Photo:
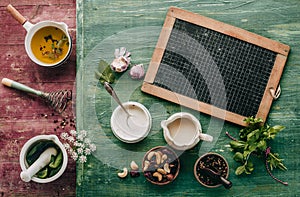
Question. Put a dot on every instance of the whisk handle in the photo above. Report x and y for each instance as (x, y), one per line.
(19, 86)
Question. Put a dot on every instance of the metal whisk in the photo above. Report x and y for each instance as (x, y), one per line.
(58, 100)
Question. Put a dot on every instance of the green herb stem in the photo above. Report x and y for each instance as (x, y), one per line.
(268, 152)
(230, 136)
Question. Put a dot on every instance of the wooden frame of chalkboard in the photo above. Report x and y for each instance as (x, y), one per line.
(215, 68)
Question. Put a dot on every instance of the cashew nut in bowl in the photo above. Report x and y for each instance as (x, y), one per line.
(163, 158)
(161, 171)
(157, 175)
(146, 165)
(150, 155)
(158, 158)
(167, 168)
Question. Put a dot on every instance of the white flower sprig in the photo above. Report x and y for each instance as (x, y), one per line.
(78, 145)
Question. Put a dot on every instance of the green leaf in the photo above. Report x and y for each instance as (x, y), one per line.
(274, 161)
(104, 73)
(278, 128)
(272, 131)
(262, 145)
(251, 120)
(58, 160)
(238, 157)
(253, 136)
(240, 170)
(42, 173)
(246, 154)
(237, 144)
(249, 167)
(252, 147)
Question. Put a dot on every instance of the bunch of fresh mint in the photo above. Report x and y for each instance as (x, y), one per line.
(254, 141)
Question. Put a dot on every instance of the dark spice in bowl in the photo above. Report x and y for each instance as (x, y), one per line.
(211, 162)
(160, 165)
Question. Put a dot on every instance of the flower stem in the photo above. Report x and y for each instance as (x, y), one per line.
(232, 138)
(267, 152)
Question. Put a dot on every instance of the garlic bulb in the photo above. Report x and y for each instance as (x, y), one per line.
(121, 61)
(137, 71)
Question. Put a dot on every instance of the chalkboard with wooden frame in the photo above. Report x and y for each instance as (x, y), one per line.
(215, 68)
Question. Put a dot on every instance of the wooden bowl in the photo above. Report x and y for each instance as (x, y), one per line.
(215, 162)
(160, 165)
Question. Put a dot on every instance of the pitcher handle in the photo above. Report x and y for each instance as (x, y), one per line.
(206, 137)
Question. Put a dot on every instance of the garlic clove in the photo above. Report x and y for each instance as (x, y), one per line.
(122, 51)
(121, 61)
(119, 64)
(137, 71)
(134, 166)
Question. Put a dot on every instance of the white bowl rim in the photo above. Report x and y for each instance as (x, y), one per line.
(133, 140)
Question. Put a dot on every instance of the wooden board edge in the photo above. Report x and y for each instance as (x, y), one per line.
(160, 48)
(230, 30)
(273, 83)
(193, 104)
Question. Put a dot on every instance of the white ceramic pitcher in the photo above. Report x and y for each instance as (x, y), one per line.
(183, 131)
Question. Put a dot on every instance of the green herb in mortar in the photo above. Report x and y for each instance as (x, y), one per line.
(56, 161)
(254, 140)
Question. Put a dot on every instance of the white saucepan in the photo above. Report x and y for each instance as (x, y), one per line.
(32, 29)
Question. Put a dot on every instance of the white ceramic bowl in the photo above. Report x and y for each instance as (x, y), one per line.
(134, 128)
(28, 145)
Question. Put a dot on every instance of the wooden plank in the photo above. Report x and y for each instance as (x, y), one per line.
(20, 113)
(103, 26)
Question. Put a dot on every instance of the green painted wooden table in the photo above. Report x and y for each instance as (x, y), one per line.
(103, 26)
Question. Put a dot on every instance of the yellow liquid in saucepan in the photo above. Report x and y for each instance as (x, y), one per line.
(49, 45)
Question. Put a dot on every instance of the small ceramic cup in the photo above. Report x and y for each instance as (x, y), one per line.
(133, 128)
(27, 147)
(183, 131)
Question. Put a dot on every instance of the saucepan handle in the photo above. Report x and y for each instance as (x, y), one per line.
(16, 14)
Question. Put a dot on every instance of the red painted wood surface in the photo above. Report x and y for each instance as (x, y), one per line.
(22, 116)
